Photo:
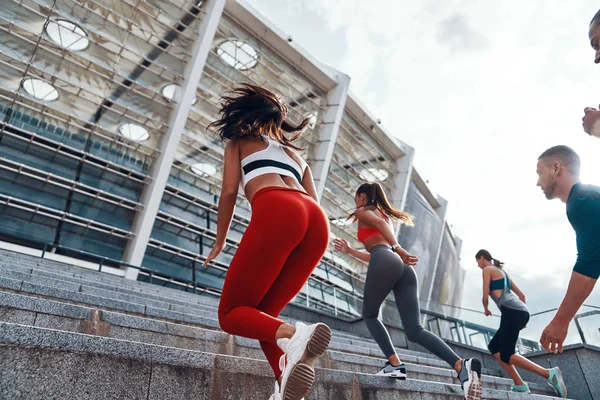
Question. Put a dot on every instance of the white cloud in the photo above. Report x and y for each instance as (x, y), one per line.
(478, 118)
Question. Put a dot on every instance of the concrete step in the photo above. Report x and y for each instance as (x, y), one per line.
(55, 267)
(103, 290)
(87, 286)
(41, 363)
(51, 314)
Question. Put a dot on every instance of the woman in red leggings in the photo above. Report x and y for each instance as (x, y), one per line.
(286, 238)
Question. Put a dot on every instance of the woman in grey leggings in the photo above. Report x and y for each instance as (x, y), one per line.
(391, 269)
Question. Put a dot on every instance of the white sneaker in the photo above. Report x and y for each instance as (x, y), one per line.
(301, 352)
(277, 394)
(470, 378)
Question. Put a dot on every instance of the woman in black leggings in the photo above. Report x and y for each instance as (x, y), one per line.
(515, 315)
(390, 269)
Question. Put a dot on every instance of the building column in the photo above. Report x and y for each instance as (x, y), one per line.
(404, 168)
(441, 211)
(161, 167)
(336, 101)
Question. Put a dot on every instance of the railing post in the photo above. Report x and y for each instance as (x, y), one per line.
(457, 332)
(194, 274)
(578, 325)
(464, 330)
(306, 291)
(44, 250)
(150, 277)
(100, 265)
(335, 306)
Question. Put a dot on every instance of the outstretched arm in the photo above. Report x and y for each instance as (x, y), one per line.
(342, 245)
(555, 333)
(591, 121)
(487, 277)
(228, 197)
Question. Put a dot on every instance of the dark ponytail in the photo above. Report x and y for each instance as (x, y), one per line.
(487, 256)
(378, 200)
(255, 111)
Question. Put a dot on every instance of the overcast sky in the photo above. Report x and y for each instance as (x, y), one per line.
(479, 89)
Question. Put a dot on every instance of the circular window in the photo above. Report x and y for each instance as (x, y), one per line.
(40, 89)
(172, 91)
(373, 174)
(67, 34)
(134, 132)
(238, 54)
(204, 169)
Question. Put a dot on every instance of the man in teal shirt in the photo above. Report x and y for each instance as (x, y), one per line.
(558, 177)
(591, 119)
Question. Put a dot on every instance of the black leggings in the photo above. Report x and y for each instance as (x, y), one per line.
(388, 273)
(505, 339)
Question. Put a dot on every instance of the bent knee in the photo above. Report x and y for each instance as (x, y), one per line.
(412, 333)
(505, 356)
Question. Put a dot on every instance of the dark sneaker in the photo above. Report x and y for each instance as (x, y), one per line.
(398, 372)
(470, 379)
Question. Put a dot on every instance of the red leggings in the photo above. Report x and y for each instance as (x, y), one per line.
(287, 237)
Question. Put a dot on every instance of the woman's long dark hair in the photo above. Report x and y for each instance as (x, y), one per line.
(251, 110)
(486, 255)
(376, 199)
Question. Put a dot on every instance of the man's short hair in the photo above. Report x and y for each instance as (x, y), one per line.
(596, 19)
(566, 155)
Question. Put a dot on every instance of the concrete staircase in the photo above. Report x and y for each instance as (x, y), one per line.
(73, 333)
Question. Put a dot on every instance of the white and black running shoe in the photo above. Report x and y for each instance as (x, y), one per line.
(398, 372)
(470, 379)
(301, 352)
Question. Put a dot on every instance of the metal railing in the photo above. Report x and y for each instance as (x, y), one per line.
(457, 324)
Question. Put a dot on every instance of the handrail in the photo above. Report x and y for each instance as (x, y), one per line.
(460, 325)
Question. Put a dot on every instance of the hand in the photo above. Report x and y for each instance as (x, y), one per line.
(407, 258)
(216, 250)
(341, 245)
(554, 335)
(591, 121)
(487, 312)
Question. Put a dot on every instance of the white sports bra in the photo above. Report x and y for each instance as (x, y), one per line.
(272, 160)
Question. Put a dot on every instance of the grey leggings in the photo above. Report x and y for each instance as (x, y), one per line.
(387, 272)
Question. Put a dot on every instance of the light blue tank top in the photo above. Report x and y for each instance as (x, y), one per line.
(508, 298)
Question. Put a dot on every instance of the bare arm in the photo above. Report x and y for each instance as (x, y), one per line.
(579, 289)
(487, 277)
(342, 245)
(555, 333)
(361, 255)
(229, 191)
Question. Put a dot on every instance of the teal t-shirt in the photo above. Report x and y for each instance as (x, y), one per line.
(583, 211)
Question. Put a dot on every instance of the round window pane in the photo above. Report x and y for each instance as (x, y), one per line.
(40, 89)
(238, 54)
(373, 175)
(67, 34)
(134, 132)
(204, 169)
(173, 91)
